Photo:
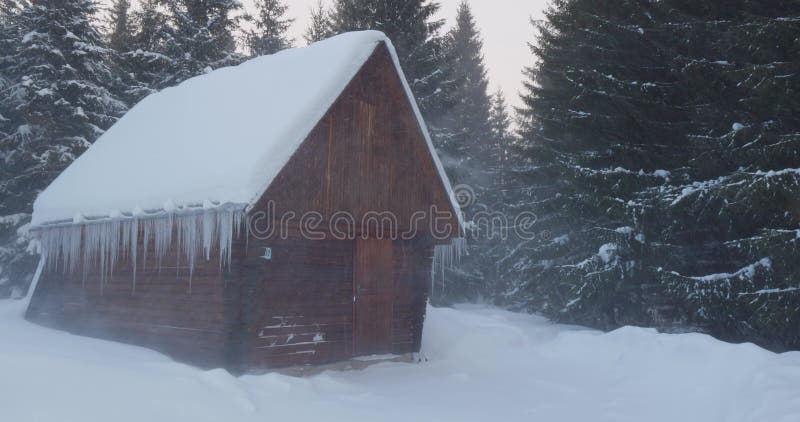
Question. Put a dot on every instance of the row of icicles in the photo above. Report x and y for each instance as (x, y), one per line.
(99, 244)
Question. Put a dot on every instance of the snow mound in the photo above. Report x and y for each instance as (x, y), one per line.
(218, 138)
(479, 364)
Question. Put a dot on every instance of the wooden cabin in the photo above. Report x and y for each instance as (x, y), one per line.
(243, 218)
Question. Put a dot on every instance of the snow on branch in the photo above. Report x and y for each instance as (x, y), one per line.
(747, 272)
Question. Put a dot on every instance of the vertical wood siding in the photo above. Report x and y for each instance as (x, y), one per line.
(366, 154)
(297, 308)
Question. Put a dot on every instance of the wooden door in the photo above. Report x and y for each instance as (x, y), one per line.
(373, 285)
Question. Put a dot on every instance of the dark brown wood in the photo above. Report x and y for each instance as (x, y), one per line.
(299, 306)
(162, 308)
(374, 296)
(366, 156)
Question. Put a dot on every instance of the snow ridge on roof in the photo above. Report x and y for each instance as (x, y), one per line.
(219, 138)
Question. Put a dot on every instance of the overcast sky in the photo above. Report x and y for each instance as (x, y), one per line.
(504, 25)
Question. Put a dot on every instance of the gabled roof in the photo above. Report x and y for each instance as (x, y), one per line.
(218, 139)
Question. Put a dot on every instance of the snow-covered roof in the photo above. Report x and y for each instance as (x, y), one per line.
(216, 139)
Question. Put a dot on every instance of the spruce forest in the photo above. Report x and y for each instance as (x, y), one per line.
(657, 142)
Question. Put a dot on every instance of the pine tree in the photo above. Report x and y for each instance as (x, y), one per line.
(199, 38)
(56, 102)
(148, 19)
(270, 33)
(165, 42)
(411, 26)
(11, 257)
(491, 218)
(502, 137)
(731, 223)
(662, 154)
(466, 144)
(121, 33)
(499, 118)
(146, 58)
(320, 26)
(9, 35)
(127, 58)
(599, 125)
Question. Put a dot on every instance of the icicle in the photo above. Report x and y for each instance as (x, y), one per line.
(146, 227)
(210, 224)
(162, 235)
(447, 256)
(188, 239)
(133, 228)
(89, 250)
(225, 234)
(99, 244)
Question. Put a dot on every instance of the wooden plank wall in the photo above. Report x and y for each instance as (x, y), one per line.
(412, 274)
(298, 306)
(374, 285)
(367, 154)
(164, 312)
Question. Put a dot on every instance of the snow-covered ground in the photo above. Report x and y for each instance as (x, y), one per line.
(483, 364)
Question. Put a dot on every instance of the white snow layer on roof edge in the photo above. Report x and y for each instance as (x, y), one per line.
(219, 138)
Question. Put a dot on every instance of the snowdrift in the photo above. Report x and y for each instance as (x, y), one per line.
(480, 364)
